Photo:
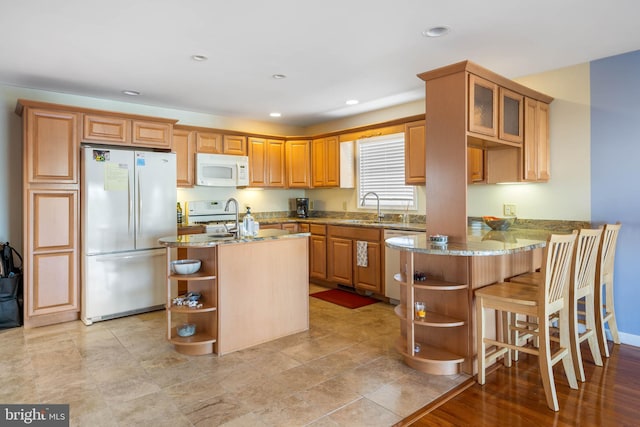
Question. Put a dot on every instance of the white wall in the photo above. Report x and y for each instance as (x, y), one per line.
(567, 194)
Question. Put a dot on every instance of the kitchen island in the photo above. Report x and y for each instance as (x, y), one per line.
(439, 338)
(254, 290)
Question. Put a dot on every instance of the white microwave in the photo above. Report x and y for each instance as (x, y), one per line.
(222, 170)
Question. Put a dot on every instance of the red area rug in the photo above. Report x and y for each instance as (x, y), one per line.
(344, 298)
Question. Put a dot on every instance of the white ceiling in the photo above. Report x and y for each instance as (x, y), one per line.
(330, 50)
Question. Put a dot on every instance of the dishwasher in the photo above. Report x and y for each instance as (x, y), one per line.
(392, 266)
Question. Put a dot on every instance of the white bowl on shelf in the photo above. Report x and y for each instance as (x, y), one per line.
(185, 266)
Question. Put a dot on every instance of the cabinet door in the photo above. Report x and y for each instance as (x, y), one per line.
(536, 141)
(52, 146)
(318, 159)
(291, 227)
(510, 117)
(318, 256)
(415, 153)
(257, 162)
(475, 165)
(51, 278)
(298, 161)
(208, 142)
(275, 172)
(184, 147)
(332, 161)
(339, 260)
(234, 144)
(483, 106)
(370, 277)
(152, 134)
(114, 130)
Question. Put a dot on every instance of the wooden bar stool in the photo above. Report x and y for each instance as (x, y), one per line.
(605, 312)
(538, 302)
(582, 286)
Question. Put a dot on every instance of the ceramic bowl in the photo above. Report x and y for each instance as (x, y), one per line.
(186, 330)
(185, 266)
(500, 224)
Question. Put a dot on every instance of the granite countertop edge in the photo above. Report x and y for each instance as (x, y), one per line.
(204, 240)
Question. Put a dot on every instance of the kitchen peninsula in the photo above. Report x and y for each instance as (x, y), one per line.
(254, 290)
(440, 339)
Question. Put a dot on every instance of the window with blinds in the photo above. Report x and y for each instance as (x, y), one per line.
(381, 170)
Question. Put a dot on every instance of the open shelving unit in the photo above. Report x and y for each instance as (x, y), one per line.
(205, 318)
(438, 343)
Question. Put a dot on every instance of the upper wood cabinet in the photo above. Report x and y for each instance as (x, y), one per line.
(325, 154)
(152, 134)
(115, 130)
(184, 146)
(118, 130)
(495, 111)
(266, 162)
(209, 142)
(536, 141)
(414, 153)
(234, 144)
(298, 161)
(52, 146)
(218, 143)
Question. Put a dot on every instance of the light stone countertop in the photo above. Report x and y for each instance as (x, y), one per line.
(206, 240)
(478, 244)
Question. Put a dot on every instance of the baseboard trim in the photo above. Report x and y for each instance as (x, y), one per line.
(625, 338)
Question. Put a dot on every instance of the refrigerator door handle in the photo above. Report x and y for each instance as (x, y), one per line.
(130, 208)
(139, 227)
(129, 255)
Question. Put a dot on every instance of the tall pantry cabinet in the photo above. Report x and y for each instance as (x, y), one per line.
(51, 197)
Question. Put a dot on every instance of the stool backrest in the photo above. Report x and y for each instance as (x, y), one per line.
(607, 252)
(556, 268)
(585, 259)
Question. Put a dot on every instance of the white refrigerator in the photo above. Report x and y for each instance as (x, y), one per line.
(128, 201)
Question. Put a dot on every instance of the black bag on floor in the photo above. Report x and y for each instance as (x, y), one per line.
(10, 288)
(11, 301)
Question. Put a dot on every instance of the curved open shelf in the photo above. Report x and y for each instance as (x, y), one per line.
(185, 309)
(199, 275)
(195, 339)
(431, 360)
(432, 319)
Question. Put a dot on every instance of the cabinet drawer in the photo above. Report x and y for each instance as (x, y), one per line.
(318, 229)
(355, 233)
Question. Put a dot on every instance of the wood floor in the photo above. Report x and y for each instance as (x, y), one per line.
(514, 396)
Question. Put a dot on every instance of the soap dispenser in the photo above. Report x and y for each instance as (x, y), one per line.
(247, 223)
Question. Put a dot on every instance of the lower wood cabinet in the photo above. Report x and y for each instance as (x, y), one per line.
(52, 254)
(342, 257)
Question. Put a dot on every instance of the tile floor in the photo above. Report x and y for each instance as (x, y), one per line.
(342, 372)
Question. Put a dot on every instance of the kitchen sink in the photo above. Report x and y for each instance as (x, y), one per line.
(222, 236)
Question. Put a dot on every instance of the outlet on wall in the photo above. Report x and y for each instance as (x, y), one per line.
(310, 204)
(344, 205)
(509, 209)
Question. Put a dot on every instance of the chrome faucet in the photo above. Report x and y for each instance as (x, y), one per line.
(226, 209)
(380, 215)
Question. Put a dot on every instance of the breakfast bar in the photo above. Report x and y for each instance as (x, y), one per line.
(251, 290)
(437, 282)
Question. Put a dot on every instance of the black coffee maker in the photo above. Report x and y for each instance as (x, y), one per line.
(302, 207)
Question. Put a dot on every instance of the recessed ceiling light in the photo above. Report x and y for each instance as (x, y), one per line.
(352, 102)
(279, 76)
(438, 31)
(131, 92)
(274, 114)
(199, 58)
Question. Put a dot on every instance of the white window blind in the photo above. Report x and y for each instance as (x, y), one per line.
(381, 170)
